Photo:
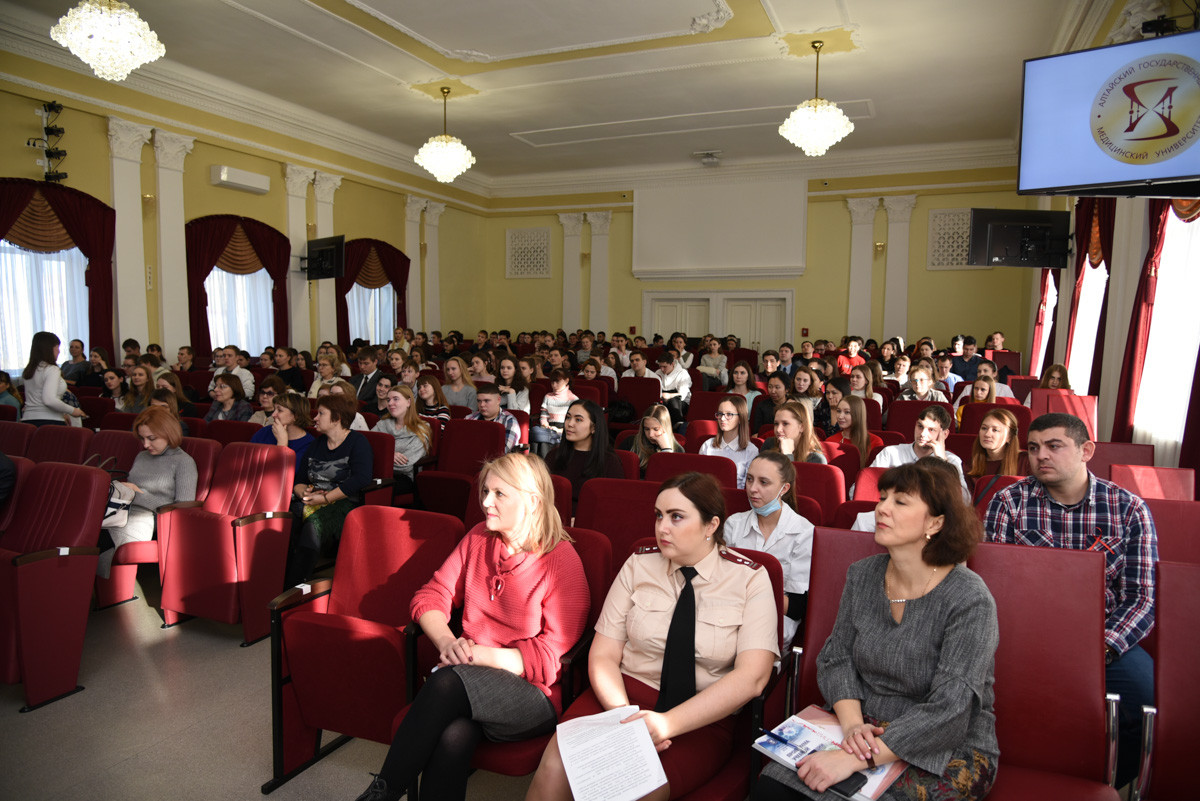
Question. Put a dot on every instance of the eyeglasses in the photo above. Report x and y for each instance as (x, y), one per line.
(724, 415)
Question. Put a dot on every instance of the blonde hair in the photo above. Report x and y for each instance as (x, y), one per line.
(543, 527)
(412, 421)
(463, 372)
(641, 445)
(809, 442)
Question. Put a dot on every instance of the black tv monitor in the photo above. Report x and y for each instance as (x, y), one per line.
(326, 258)
(1120, 120)
(1019, 238)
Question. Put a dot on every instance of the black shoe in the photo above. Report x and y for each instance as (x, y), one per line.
(378, 791)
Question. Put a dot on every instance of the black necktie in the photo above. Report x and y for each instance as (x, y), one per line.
(678, 680)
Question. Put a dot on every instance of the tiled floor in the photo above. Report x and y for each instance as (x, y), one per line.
(179, 714)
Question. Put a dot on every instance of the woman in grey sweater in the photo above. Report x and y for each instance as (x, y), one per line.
(162, 473)
(909, 665)
(412, 435)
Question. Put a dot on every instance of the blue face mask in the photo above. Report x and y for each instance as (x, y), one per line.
(769, 508)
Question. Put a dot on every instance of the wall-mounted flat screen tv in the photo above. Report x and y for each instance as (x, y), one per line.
(1120, 120)
(326, 258)
(1019, 238)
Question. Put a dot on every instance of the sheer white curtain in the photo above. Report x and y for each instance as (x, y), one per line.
(1087, 320)
(1035, 366)
(40, 292)
(372, 313)
(240, 310)
(1172, 348)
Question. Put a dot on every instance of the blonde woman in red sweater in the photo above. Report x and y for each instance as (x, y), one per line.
(524, 600)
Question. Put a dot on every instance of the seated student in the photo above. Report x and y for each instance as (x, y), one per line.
(289, 372)
(1055, 377)
(887, 355)
(795, 435)
(862, 386)
(141, 387)
(987, 367)
(713, 366)
(183, 395)
(683, 356)
(289, 424)
(458, 388)
(153, 364)
(343, 387)
(732, 439)
(553, 415)
(584, 451)
(967, 364)
(487, 401)
(639, 368)
(770, 364)
(512, 383)
(688, 704)
(115, 387)
(763, 412)
(983, 390)
(920, 387)
(852, 428)
(408, 374)
(847, 361)
(395, 362)
(741, 382)
(431, 403)
(995, 341)
(900, 369)
(1062, 505)
(913, 685)
(654, 435)
(943, 374)
(823, 415)
(929, 439)
(787, 361)
(498, 679)
(378, 405)
(587, 347)
(9, 395)
(807, 387)
(229, 400)
(996, 452)
(270, 387)
(77, 366)
(412, 435)
(481, 368)
(97, 364)
(772, 525)
(677, 386)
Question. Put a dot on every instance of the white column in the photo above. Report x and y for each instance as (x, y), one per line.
(297, 179)
(895, 305)
(325, 185)
(412, 247)
(862, 252)
(1131, 240)
(170, 150)
(125, 142)
(572, 313)
(433, 310)
(598, 296)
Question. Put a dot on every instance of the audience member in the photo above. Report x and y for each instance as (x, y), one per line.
(654, 435)
(732, 439)
(289, 424)
(44, 385)
(584, 451)
(487, 400)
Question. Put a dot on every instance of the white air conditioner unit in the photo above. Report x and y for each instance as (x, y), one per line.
(234, 178)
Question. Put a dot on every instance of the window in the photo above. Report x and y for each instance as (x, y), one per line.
(1087, 321)
(1171, 350)
(372, 312)
(40, 292)
(1051, 303)
(240, 310)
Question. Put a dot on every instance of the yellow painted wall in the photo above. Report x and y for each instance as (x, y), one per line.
(85, 140)
(524, 303)
(464, 300)
(201, 198)
(364, 211)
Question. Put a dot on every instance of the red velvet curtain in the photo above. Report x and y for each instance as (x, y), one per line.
(1139, 325)
(1085, 209)
(92, 226)
(395, 265)
(207, 238)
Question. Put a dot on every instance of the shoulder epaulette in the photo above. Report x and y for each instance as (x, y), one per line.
(735, 557)
(647, 549)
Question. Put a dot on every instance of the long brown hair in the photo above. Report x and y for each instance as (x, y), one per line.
(810, 443)
(858, 427)
(1061, 369)
(642, 445)
(743, 430)
(412, 420)
(1011, 457)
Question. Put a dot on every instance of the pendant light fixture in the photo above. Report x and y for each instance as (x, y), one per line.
(109, 37)
(445, 156)
(816, 125)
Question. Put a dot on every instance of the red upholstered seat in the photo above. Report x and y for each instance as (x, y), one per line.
(1050, 705)
(465, 445)
(383, 453)
(824, 483)
(113, 451)
(48, 558)
(1178, 526)
(844, 457)
(700, 432)
(641, 392)
(59, 444)
(630, 463)
(601, 388)
(703, 405)
(986, 498)
(664, 465)
(1167, 483)
(96, 408)
(8, 414)
(962, 446)
(903, 414)
(225, 560)
(537, 393)
(848, 512)
(9, 506)
(867, 487)
(1082, 406)
(204, 453)
(338, 652)
(117, 421)
(889, 437)
(227, 431)
(523, 421)
(460, 412)
(621, 509)
(1109, 453)
(973, 414)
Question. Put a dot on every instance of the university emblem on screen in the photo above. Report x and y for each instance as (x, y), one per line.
(1148, 111)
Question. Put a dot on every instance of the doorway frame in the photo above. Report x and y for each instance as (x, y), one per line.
(716, 307)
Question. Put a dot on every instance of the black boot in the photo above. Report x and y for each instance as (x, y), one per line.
(378, 791)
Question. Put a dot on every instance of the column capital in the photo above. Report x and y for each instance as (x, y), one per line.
(413, 206)
(862, 209)
(599, 220)
(170, 149)
(433, 210)
(325, 185)
(297, 179)
(899, 207)
(125, 139)
(572, 223)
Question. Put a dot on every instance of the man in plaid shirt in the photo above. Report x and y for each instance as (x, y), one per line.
(487, 400)
(1062, 505)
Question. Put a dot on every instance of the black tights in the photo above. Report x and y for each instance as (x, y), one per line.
(767, 789)
(436, 739)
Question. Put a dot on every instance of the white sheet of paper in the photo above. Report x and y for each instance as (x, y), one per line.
(607, 760)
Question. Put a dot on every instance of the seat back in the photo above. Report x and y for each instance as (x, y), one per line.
(903, 414)
(749, 355)
(113, 450)
(562, 502)
(522, 418)
(619, 508)
(1004, 358)
(8, 507)
(700, 432)
(204, 453)
(1177, 524)
(251, 478)
(1000, 483)
(1082, 406)
(641, 392)
(460, 412)
(15, 437)
(867, 488)
(973, 414)
(1050, 711)
(703, 405)
(227, 431)
(844, 457)
(962, 446)
(383, 453)
(466, 444)
(849, 511)
(60, 505)
(117, 421)
(385, 556)
(833, 551)
(196, 427)
(96, 409)
(824, 483)
(8, 413)
(1167, 483)
(1022, 385)
(59, 444)
(601, 388)
(595, 552)
(537, 394)
(1109, 453)
(1176, 691)
(664, 465)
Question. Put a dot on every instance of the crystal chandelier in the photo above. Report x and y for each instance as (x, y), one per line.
(445, 156)
(109, 37)
(816, 125)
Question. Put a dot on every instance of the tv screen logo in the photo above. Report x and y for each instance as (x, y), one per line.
(1148, 111)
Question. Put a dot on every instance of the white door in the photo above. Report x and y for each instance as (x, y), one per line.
(688, 315)
(760, 323)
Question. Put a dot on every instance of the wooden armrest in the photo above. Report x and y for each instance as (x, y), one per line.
(378, 483)
(52, 553)
(178, 505)
(300, 594)
(254, 518)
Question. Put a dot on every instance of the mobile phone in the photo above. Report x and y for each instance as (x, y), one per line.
(846, 788)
